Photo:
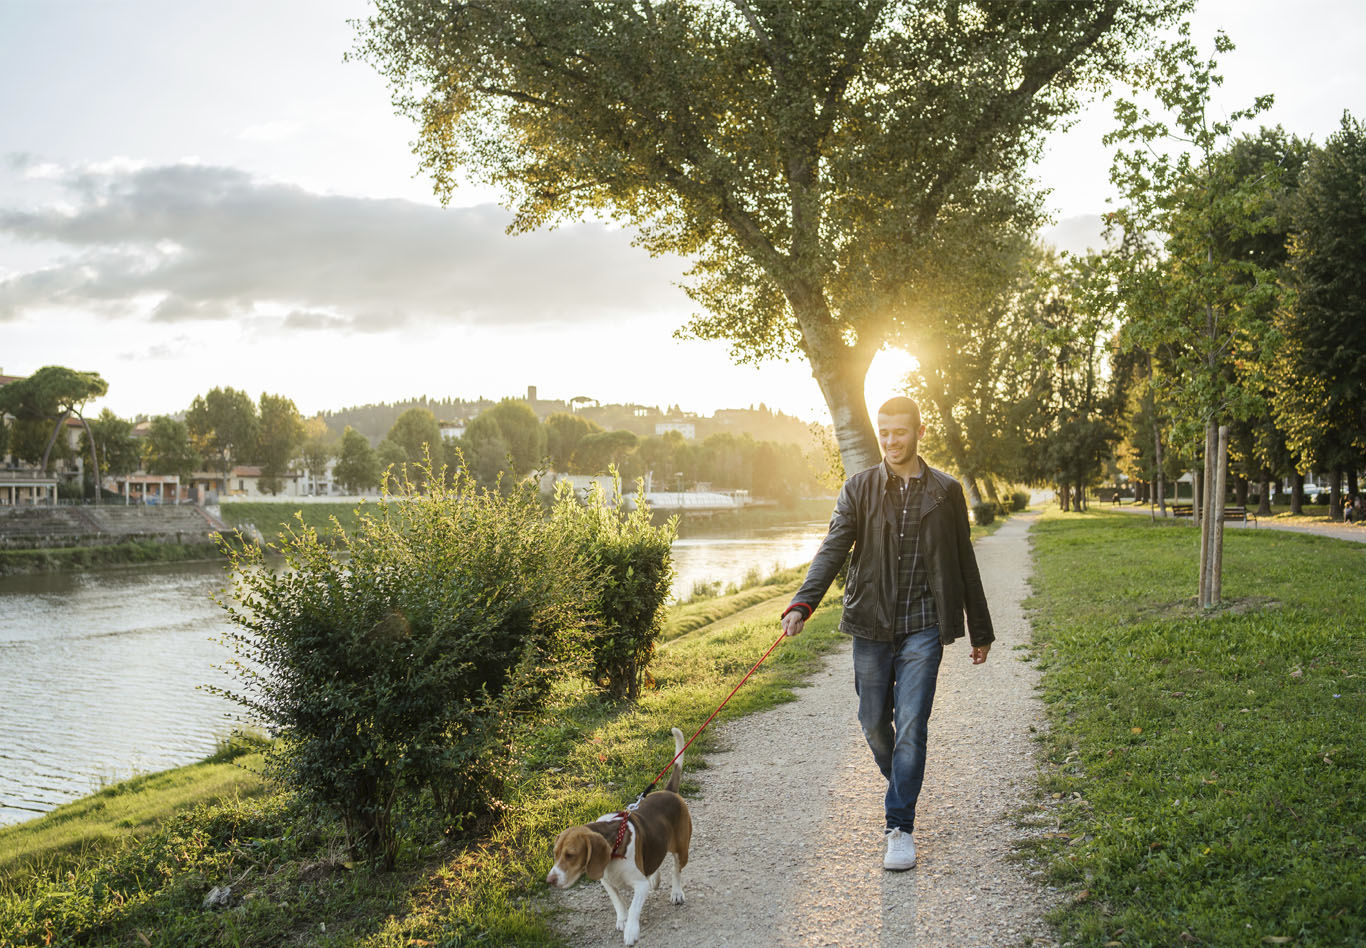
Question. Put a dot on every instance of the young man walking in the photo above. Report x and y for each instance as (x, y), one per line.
(911, 579)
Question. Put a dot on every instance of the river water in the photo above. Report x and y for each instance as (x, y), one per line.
(102, 673)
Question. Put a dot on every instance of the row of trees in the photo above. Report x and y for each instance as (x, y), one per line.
(508, 441)
(1222, 334)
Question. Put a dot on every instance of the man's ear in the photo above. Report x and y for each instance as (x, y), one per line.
(598, 855)
(921, 434)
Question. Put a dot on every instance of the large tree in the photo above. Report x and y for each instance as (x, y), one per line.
(418, 434)
(114, 444)
(817, 161)
(280, 434)
(563, 432)
(523, 432)
(358, 467)
(53, 394)
(167, 448)
(1322, 403)
(319, 448)
(224, 426)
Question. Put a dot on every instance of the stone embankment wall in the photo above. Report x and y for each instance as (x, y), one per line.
(29, 528)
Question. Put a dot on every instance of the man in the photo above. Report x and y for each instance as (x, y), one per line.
(911, 578)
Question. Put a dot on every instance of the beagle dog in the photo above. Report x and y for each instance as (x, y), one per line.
(626, 850)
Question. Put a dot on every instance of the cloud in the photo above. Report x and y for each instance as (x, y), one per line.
(194, 243)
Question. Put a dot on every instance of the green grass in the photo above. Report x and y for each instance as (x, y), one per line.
(114, 554)
(272, 516)
(110, 819)
(1206, 768)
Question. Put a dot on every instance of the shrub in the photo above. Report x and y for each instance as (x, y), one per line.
(983, 513)
(632, 571)
(401, 668)
(1019, 500)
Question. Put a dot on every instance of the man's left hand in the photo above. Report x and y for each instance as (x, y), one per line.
(979, 653)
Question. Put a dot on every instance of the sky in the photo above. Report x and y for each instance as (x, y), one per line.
(198, 194)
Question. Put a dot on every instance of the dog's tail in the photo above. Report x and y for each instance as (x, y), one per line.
(677, 775)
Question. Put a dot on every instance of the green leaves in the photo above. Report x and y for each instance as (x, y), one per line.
(404, 666)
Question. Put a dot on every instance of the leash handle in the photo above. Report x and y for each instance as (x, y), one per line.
(655, 782)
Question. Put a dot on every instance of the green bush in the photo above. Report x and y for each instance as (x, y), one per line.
(983, 513)
(632, 576)
(402, 667)
(1019, 500)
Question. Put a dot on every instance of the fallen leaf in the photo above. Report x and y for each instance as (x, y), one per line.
(143, 938)
(1083, 895)
(1278, 939)
(1188, 938)
(1135, 730)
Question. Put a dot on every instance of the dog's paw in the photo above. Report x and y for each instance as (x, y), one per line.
(632, 933)
(621, 924)
(677, 897)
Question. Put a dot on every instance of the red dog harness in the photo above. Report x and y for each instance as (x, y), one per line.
(621, 834)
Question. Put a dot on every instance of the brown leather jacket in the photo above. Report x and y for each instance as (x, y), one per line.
(865, 521)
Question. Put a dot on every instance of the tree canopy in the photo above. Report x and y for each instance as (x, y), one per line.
(820, 163)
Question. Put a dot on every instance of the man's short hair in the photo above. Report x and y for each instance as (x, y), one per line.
(901, 405)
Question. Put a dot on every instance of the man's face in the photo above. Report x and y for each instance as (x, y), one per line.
(898, 438)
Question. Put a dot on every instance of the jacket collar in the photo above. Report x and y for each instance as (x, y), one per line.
(934, 481)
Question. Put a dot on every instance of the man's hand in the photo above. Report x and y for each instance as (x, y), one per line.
(979, 653)
(793, 622)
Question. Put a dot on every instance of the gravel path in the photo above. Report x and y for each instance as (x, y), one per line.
(787, 843)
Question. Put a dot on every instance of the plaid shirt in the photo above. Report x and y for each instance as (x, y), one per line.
(915, 610)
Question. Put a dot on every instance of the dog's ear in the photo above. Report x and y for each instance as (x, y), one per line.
(599, 853)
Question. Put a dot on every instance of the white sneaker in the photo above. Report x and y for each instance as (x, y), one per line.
(900, 851)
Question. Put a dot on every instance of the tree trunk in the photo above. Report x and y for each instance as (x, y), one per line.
(991, 490)
(1352, 481)
(1296, 492)
(953, 440)
(1081, 495)
(1217, 520)
(1335, 494)
(1206, 508)
(94, 456)
(1240, 490)
(1160, 481)
(52, 439)
(1063, 495)
(841, 378)
(1264, 507)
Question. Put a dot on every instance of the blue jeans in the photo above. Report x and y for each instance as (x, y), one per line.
(895, 686)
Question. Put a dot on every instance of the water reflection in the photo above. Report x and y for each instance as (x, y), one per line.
(100, 672)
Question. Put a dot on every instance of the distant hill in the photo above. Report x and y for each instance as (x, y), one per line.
(760, 423)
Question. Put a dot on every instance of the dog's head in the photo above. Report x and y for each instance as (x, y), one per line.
(578, 850)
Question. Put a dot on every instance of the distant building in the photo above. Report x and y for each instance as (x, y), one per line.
(687, 429)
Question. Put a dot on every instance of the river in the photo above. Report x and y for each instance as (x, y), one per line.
(102, 672)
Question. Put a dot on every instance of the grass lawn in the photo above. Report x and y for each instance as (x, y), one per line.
(272, 516)
(1207, 770)
(112, 818)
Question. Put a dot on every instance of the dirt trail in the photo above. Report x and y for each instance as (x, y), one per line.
(787, 847)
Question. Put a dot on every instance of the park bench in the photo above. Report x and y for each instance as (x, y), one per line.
(1232, 512)
(1239, 514)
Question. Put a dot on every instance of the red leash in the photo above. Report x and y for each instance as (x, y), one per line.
(668, 766)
